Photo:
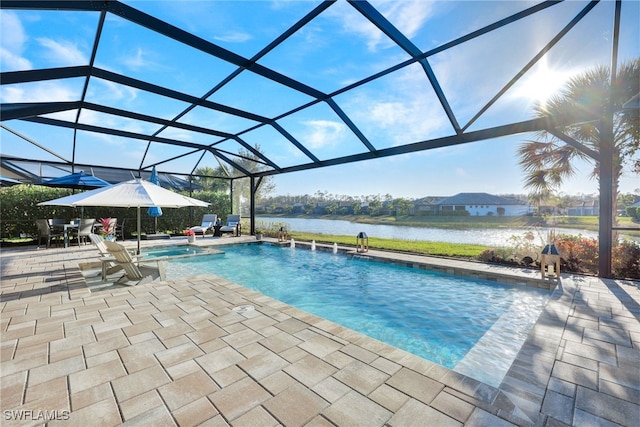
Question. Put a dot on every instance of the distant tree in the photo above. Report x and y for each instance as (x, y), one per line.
(309, 208)
(247, 160)
(357, 207)
(332, 208)
(403, 206)
(625, 199)
(375, 206)
(207, 179)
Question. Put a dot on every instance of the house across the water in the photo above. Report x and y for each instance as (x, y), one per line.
(483, 204)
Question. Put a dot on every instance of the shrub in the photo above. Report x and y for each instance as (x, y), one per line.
(271, 229)
(500, 256)
(456, 213)
(626, 260)
(19, 210)
(578, 254)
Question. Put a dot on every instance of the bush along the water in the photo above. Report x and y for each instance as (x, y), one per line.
(578, 254)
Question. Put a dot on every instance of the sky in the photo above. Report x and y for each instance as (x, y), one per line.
(336, 49)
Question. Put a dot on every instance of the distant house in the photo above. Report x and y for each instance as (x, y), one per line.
(585, 208)
(483, 204)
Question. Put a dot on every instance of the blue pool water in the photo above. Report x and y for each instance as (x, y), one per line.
(155, 252)
(437, 316)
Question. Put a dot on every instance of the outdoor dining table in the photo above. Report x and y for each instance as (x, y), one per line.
(66, 228)
(70, 226)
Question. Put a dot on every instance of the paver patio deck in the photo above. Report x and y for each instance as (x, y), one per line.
(177, 353)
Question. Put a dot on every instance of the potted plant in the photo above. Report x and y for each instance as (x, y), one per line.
(106, 232)
(258, 234)
(191, 235)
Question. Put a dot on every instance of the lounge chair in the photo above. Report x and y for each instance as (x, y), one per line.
(233, 225)
(102, 248)
(208, 221)
(134, 272)
(109, 266)
(46, 231)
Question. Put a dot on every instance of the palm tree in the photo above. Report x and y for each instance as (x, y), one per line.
(548, 161)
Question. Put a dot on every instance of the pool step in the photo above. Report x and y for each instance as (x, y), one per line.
(490, 359)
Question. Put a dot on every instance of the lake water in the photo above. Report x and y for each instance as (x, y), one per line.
(477, 236)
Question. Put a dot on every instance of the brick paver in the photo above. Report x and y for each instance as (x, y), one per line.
(177, 353)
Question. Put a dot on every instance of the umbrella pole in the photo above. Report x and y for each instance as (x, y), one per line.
(155, 227)
(138, 252)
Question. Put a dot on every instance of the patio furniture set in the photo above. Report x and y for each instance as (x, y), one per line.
(211, 222)
(79, 229)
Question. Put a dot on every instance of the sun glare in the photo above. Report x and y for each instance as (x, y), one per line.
(542, 83)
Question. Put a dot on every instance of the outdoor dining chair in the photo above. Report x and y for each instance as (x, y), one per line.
(85, 228)
(113, 225)
(46, 231)
(119, 230)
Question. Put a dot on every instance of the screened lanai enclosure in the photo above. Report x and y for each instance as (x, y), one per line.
(238, 87)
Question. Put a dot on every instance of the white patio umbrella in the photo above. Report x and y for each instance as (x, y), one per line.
(136, 193)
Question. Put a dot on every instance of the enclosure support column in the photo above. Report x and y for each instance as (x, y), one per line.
(231, 196)
(605, 224)
(606, 177)
(252, 205)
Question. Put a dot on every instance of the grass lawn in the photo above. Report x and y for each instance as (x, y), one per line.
(427, 248)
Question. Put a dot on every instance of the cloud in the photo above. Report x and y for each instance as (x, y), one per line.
(461, 172)
(180, 135)
(104, 91)
(398, 109)
(135, 61)
(13, 62)
(234, 37)
(323, 133)
(142, 59)
(63, 53)
(12, 32)
(13, 40)
(47, 91)
(110, 121)
(408, 17)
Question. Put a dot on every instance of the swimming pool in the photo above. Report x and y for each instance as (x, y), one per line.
(436, 316)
